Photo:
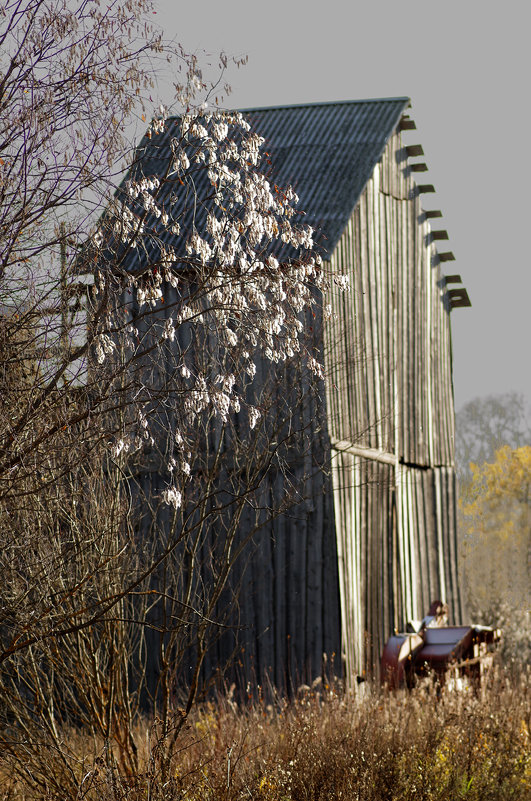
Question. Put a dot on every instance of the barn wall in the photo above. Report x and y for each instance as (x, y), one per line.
(288, 605)
(279, 611)
(391, 416)
(287, 614)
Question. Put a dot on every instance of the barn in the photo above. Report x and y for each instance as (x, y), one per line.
(374, 541)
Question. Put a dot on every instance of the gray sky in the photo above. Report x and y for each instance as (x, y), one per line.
(466, 66)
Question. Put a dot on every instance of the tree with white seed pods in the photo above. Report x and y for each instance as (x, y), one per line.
(133, 322)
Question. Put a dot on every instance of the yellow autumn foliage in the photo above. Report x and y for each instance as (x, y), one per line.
(495, 519)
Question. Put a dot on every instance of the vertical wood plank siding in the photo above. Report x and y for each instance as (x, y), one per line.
(288, 613)
(389, 389)
(280, 610)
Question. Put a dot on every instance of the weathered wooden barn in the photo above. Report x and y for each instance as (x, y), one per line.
(375, 541)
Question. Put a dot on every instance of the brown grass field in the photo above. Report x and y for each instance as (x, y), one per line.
(426, 745)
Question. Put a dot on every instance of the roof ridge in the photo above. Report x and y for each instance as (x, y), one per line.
(327, 103)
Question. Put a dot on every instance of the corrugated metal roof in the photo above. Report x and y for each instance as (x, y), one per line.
(326, 151)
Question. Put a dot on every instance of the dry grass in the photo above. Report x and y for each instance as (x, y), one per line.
(420, 745)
